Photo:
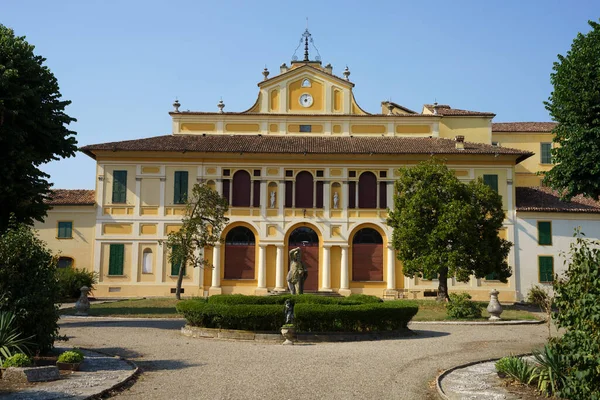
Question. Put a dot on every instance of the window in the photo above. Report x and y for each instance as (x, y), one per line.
(239, 254)
(545, 153)
(492, 277)
(65, 230)
(305, 128)
(491, 181)
(306, 83)
(226, 172)
(241, 189)
(304, 190)
(119, 189)
(544, 233)
(546, 265)
(176, 263)
(147, 261)
(65, 262)
(367, 190)
(116, 259)
(180, 191)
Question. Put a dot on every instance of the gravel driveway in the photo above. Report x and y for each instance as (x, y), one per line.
(177, 367)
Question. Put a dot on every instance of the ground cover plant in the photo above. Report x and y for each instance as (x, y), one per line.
(17, 360)
(71, 357)
(312, 313)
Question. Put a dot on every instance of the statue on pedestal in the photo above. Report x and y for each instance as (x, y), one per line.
(298, 272)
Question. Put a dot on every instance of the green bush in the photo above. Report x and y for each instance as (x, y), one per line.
(551, 370)
(460, 306)
(71, 357)
(309, 316)
(538, 296)
(369, 317)
(296, 299)
(517, 368)
(71, 280)
(267, 317)
(11, 340)
(28, 286)
(17, 360)
(577, 299)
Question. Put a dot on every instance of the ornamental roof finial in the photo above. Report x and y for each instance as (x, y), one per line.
(306, 39)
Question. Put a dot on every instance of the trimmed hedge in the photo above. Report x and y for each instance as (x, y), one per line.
(369, 317)
(312, 313)
(236, 299)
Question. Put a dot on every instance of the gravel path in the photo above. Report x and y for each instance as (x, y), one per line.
(177, 367)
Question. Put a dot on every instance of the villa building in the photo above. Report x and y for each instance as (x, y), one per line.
(304, 166)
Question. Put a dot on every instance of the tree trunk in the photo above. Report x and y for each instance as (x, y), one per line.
(180, 279)
(443, 285)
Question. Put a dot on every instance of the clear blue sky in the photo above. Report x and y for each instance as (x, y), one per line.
(122, 63)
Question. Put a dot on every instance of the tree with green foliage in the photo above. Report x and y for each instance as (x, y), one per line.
(577, 297)
(33, 129)
(575, 105)
(203, 223)
(444, 228)
(28, 285)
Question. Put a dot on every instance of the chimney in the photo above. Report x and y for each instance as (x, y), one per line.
(460, 142)
(283, 68)
(329, 69)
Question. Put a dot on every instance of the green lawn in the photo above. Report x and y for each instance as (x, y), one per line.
(429, 310)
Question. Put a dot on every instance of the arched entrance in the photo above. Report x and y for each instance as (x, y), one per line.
(308, 240)
(367, 255)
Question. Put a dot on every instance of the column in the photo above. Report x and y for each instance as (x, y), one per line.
(135, 260)
(137, 200)
(215, 287)
(161, 203)
(391, 268)
(326, 285)
(279, 285)
(390, 195)
(263, 198)
(198, 278)
(378, 194)
(344, 281)
(160, 257)
(262, 270)
(326, 197)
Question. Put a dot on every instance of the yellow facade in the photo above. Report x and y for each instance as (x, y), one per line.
(305, 99)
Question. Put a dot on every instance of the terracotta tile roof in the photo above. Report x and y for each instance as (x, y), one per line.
(301, 145)
(543, 199)
(72, 197)
(447, 111)
(523, 126)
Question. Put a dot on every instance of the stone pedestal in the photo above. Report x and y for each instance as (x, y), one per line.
(494, 308)
(289, 333)
(83, 303)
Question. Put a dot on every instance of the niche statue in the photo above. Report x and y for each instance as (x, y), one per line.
(298, 272)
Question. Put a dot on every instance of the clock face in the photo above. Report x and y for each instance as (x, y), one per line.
(306, 100)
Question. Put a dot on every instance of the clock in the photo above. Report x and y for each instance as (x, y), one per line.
(306, 100)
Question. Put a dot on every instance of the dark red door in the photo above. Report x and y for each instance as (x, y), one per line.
(308, 241)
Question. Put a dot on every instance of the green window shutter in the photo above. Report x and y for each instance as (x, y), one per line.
(546, 153)
(176, 264)
(116, 259)
(181, 187)
(491, 181)
(119, 193)
(491, 277)
(546, 265)
(65, 229)
(544, 232)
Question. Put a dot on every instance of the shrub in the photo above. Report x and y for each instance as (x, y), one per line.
(28, 285)
(517, 368)
(71, 280)
(538, 296)
(71, 357)
(17, 360)
(551, 370)
(268, 317)
(11, 340)
(576, 298)
(460, 306)
(369, 317)
(296, 299)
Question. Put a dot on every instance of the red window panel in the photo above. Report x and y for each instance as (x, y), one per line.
(367, 262)
(382, 194)
(367, 190)
(351, 194)
(241, 189)
(319, 203)
(226, 187)
(256, 194)
(239, 261)
(304, 190)
(289, 193)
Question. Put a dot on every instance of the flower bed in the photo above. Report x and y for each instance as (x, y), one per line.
(311, 313)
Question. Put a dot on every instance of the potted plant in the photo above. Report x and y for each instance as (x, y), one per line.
(288, 331)
(70, 360)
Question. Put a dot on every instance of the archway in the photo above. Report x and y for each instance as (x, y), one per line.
(308, 241)
(367, 255)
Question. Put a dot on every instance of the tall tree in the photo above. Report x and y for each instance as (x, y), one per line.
(202, 226)
(33, 129)
(575, 105)
(444, 228)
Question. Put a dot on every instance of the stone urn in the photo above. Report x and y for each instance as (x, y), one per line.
(289, 333)
(494, 308)
(83, 303)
